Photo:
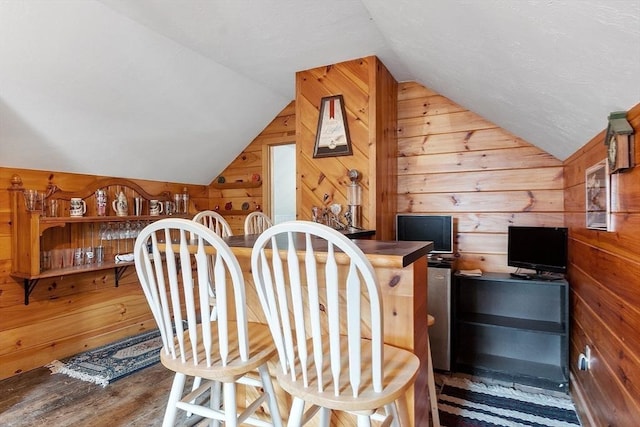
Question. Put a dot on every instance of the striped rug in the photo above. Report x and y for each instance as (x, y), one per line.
(464, 403)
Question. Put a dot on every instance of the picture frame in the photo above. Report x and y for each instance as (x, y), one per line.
(332, 136)
(598, 197)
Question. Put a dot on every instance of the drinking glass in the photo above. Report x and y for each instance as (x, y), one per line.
(78, 256)
(52, 208)
(99, 254)
(33, 198)
(67, 257)
(101, 202)
(88, 255)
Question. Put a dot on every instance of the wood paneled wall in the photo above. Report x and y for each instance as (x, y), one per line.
(452, 161)
(67, 315)
(369, 93)
(251, 161)
(605, 289)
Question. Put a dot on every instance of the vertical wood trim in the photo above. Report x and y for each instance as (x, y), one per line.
(386, 144)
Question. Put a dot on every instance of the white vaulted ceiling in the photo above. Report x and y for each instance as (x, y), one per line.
(173, 90)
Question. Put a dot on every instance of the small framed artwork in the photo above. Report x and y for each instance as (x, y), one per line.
(332, 137)
(598, 196)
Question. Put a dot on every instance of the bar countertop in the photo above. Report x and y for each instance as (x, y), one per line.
(379, 252)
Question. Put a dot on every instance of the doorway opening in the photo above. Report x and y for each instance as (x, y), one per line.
(282, 182)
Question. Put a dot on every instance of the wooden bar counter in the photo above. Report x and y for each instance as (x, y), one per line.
(401, 268)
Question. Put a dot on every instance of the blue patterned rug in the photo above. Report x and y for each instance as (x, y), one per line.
(111, 362)
(464, 403)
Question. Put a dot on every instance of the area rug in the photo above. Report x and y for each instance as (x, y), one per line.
(111, 362)
(465, 403)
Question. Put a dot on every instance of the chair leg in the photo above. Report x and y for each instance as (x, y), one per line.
(230, 405)
(214, 402)
(177, 389)
(274, 411)
(296, 413)
(325, 417)
(364, 421)
(403, 411)
(433, 398)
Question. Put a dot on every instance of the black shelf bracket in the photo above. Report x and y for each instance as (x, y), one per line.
(119, 271)
(29, 284)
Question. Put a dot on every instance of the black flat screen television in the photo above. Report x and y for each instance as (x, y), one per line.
(435, 228)
(543, 249)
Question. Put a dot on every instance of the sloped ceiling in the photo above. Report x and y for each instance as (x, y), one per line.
(173, 90)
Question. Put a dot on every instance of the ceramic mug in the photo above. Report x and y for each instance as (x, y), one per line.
(77, 207)
(120, 205)
(155, 207)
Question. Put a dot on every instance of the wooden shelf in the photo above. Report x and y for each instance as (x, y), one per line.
(30, 282)
(59, 272)
(49, 222)
(234, 212)
(29, 229)
(232, 185)
(59, 220)
(541, 326)
(533, 373)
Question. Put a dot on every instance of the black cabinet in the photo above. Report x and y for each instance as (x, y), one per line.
(512, 329)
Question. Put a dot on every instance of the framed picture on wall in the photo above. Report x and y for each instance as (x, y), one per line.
(332, 136)
(598, 197)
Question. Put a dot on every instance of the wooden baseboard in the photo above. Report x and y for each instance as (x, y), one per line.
(582, 408)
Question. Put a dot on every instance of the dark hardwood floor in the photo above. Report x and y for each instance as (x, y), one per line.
(37, 398)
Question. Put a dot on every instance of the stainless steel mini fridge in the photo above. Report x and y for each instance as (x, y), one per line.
(439, 306)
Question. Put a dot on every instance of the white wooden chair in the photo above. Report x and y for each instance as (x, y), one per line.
(256, 223)
(175, 279)
(325, 315)
(215, 222)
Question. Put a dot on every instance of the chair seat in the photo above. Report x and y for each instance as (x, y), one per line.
(400, 369)
(261, 350)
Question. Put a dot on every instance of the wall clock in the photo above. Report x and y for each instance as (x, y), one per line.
(619, 142)
(332, 136)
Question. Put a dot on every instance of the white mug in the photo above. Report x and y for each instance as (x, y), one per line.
(77, 207)
(155, 207)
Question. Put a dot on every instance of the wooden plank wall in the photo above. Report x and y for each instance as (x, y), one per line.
(452, 161)
(251, 161)
(67, 315)
(322, 182)
(605, 290)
